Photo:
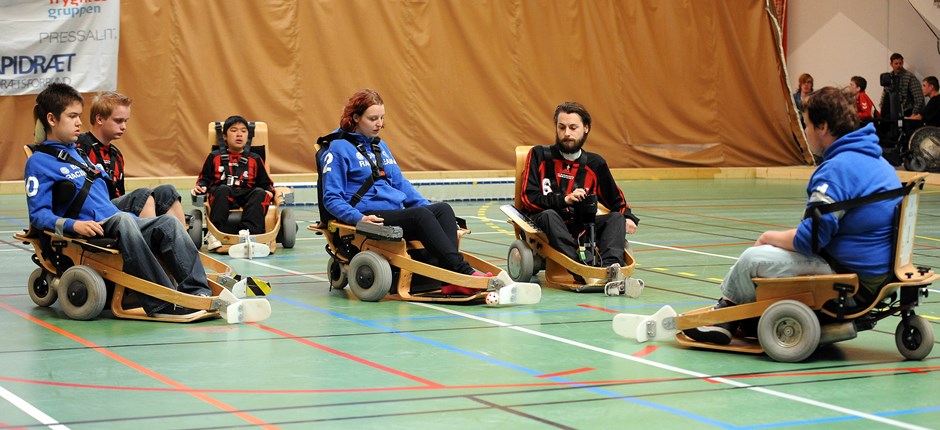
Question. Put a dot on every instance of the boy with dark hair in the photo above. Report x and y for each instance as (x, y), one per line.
(58, 124)
(863, 104)
(233, 176)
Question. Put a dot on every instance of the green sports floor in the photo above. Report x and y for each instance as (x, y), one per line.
(327, 360)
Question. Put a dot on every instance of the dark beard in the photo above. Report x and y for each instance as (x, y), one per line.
(565, 147)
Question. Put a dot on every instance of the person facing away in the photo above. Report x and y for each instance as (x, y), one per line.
(863, 104)
(110, 112)
(558, 178)
(930, 114)
(235, 177)
(351, 160)
(857, 240)
(904, 84)
(141, 241)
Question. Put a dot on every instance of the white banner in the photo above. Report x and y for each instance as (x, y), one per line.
(70, 41)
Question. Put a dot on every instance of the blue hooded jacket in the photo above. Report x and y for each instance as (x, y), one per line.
(344, 170)
(43, 171)
(859, 239)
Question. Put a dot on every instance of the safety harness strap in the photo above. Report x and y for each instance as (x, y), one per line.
(816, 212)
(91, 175)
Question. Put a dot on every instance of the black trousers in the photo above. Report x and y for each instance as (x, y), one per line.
(435, 226)
(250, 200)
(610, 235)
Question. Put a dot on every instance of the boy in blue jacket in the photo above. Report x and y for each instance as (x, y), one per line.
(58, 110)
(857, 240)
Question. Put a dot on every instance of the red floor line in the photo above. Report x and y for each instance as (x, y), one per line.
(333, 390)
(645, 351)
(566, 372)
(348, 356)
(598, 308)
(251, 419)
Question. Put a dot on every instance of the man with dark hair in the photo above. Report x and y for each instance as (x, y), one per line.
(235, 177)
(90, 213)
(905, 86)
(855, 240)
(559, 178)
(109, 115)
(931, 112)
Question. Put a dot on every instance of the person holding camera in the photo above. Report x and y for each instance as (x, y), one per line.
(902, 84)
(559, 180)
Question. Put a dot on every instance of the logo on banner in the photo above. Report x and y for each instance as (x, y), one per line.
(69, 41)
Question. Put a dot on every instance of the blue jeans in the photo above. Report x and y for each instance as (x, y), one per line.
(145, 242)
(768, 261)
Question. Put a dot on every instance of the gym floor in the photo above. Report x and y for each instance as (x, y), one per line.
(326, 359)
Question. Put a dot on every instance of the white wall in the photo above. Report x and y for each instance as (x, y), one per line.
(836, 39)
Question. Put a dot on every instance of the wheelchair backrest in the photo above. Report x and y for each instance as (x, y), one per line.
(257, 140)
(325, 216)
(907, 224)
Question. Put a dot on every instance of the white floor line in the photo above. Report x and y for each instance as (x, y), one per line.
(31, 410)
(684, 250)
(733, 383)
(292, 272)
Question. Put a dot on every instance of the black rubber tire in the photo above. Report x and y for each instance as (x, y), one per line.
(914, 338)
(520, 262)
(288, 231)
(40, 288)
(337, 274)
(789, 331)
(83, 293)
(195, 228)
(369, 276)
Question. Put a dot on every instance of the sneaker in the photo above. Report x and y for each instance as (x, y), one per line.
(178, 312)
(719, 334)
(457, 290)
(211, 242)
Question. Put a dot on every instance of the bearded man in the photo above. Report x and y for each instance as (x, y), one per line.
(561, 179)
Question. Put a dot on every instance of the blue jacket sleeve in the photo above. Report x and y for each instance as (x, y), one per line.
(39, 184)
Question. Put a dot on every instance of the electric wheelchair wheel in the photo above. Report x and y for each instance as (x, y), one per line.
(369, 276)
(83, 293)
(41, 289)
(914, 337)
(788, 331)
(195, 227)
(287, 235)
(916, 163)
(334, 269)
(520, 262)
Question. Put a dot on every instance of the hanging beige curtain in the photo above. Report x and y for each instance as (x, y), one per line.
(669, 82)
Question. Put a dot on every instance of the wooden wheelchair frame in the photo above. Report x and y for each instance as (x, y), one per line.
(274, 219)
(789, 309)
(531, 252)
(84, 297)
(381, 255)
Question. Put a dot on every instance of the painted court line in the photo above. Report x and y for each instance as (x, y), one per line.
(31, 410)
(667, 367)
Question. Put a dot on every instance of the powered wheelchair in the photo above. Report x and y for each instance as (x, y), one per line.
(798, 314)
(375, 261)
(280, 223)
(86, 274)
(531, 253)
